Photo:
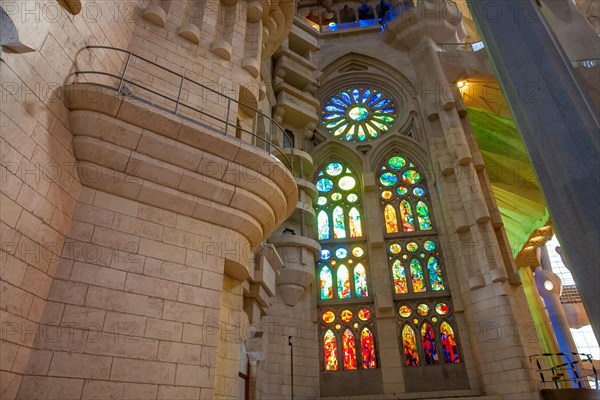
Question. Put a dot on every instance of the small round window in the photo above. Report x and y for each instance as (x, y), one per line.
(359, 114)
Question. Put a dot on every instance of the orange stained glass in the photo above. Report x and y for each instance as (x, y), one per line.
(367, 343)
(330, 352)
(411, 355)
(346, 316)
(408, 224)
(391, 222)
(354, 223)
(399, 278)
(364, 314)
(328, 317)
(349, 348)
(343, 282)
(449, 344)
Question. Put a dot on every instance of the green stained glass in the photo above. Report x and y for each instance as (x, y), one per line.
(380, 125)
(350, 133)
(336, 196)
(408, 224)
(401, 190)
(323, 225)
(334, 169)
(347, 183)
(429, 245)
(354, 223)
(324, 185)
(360, 281)
(412, 247)
(411, 177)
(384, 118)
(343, 282)
(423, 216)
(388, 179)
(395, 248)
(358, 113)
(396, 162)
(322, 200)
(362, 136)
(326, 283)
(435, 274)
(339, 227)
(372, 131)
(416, 273)
(352, 198)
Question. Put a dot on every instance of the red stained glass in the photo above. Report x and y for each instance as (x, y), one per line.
(364, 314)
(346, 316)
(367, 343)
(330, 352)
(429, 347)
(449, 344)
(411, 355)
(349, 350)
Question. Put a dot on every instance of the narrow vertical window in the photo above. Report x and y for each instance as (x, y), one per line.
(423, 216)
(360, 281)
(429, 347)
(343, 282)
(399, 278)
(354, 222)
(391, 221)
(326, 283)
(416, 273)
(408, 224)
(411, 355)
(330, 351)
(449, 343)
(435, 274)
(349, 347)
(339, 227)
(367, 349)
(323, 225)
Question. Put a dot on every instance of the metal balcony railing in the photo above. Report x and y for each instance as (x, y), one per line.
(186, 98)
(576, 370)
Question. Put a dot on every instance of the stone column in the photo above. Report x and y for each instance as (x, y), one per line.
(559, 127)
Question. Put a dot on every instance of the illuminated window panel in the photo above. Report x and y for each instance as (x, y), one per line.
(409, 341)
(449, 343)
(348, 335)
(429, 346)
(348, 264)
(358, 114)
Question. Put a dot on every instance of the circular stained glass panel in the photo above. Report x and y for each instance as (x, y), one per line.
(364, 314)
(405, 311)
(334, 169)
(423, 310)
(411, 177)
(322, 200)
(336, 196)
(358, 114)
(386, 194)
(328, 317)
(419, 192)
(352, 198)
(347, 183)
(346, 316)
(395, 248)
(412, 247)
(325, 254)
(401, 190)
(341, 252)
(397, 162)
(324, 185)
(442, 308)
(357, 252)
(388, 179)
(429, 245)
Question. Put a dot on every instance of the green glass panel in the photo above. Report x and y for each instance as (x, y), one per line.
(360, 281)
(397, 162)
(388, 179)
(435, 274)
(423, 216)
(416, 273)
(411, 177)
(429, 245)
(358, 113)
(361, 134)
(401, 190)
(336, 196)
(340, 130)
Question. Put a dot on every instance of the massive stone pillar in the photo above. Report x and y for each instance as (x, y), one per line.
(559, 127)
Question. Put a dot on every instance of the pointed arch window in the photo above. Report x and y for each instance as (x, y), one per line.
(425, 325)
(348, 334)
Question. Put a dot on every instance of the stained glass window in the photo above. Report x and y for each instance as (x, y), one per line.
(436, 333)
(353, 328)
(326, 283)
(360, 281)
(343, 282)
(358, 114)
(349, 350)
(348, 265)
(415, 260)
(411, 354)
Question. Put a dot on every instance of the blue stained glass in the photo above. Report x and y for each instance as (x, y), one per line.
(382, 103)
(339, 102)
(325, 254)
(341, 252)
(332, 108)
(418, 191)
(334, 169)
(355, 94)
(346, 97)
(330, 116)
(324, 185)
(388, 179)
(375, 97)
(429, 245)
(366, 95)
(435, 274)
(361, 134)
(350, 132)
(386, 110)
(334, 124)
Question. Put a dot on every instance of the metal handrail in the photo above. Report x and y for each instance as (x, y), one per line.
(120, 88)
(577, 369)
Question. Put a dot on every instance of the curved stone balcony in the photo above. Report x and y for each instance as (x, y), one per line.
(298, 273)
(135, 150)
